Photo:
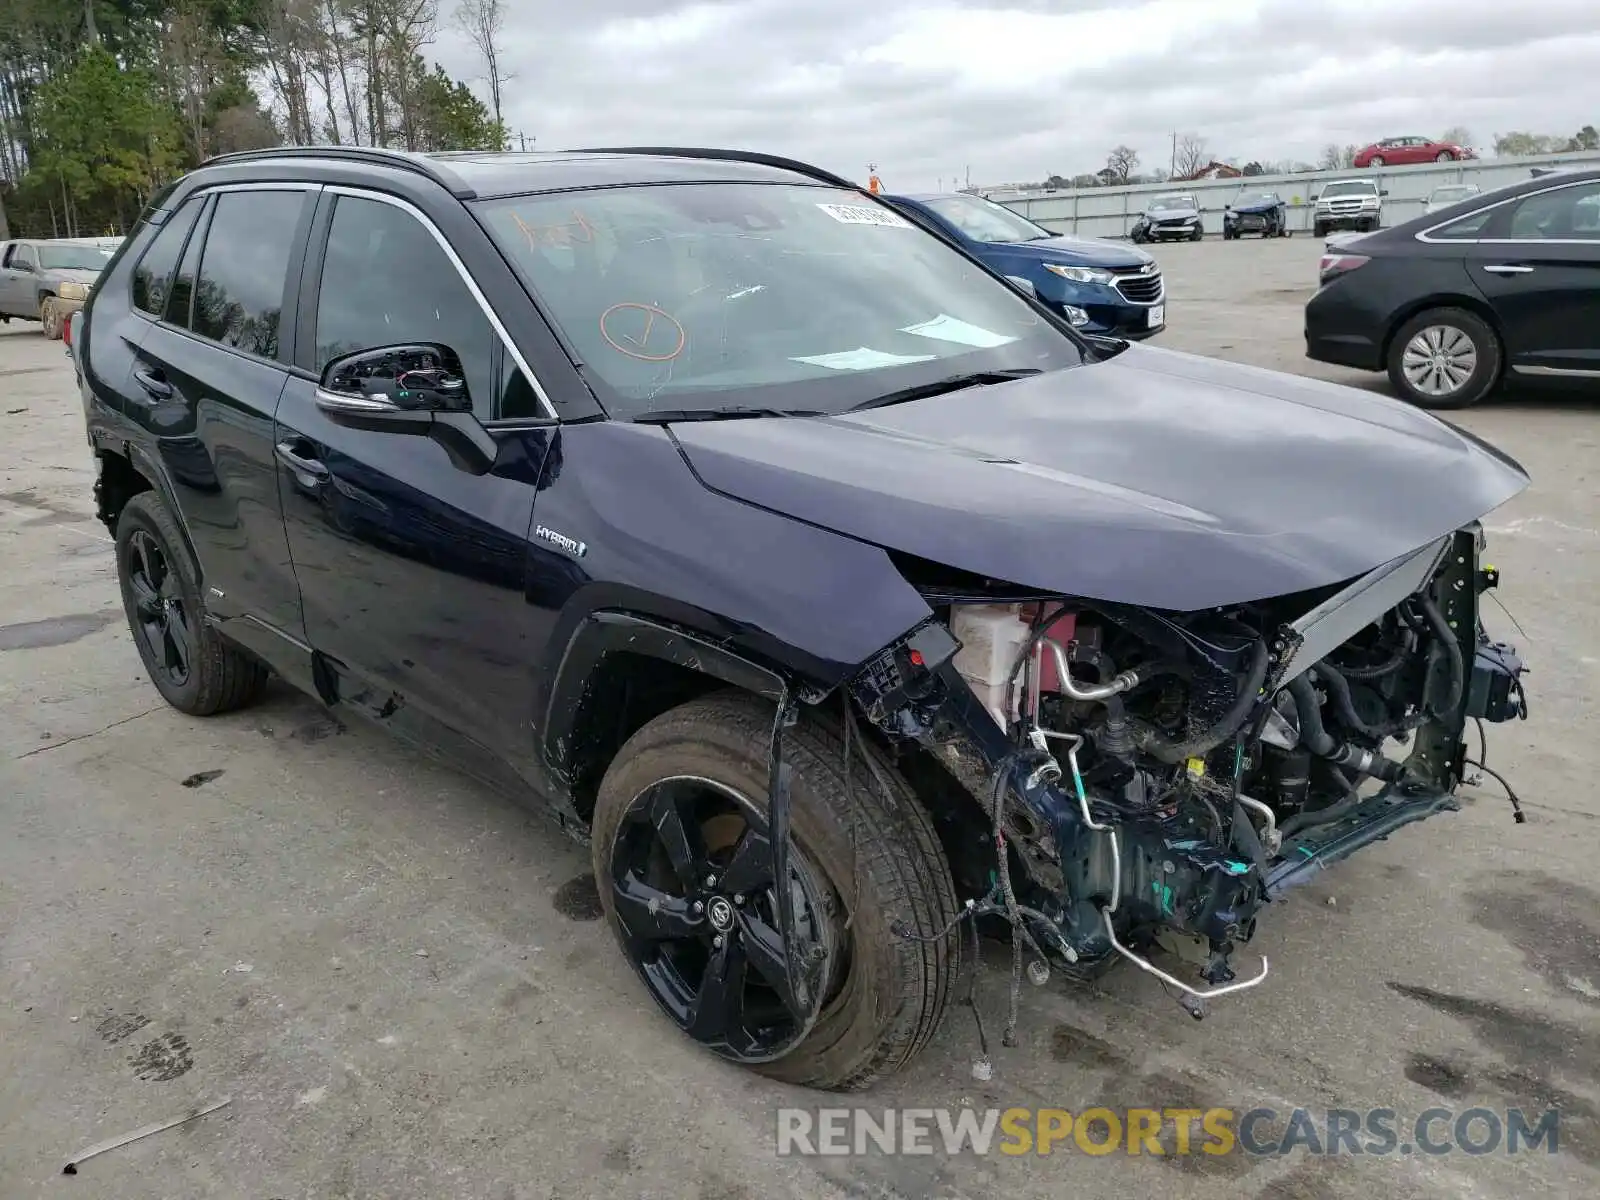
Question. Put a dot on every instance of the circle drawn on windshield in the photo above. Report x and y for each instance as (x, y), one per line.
(643, 331)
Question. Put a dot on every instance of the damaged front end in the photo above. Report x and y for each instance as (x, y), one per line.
(1149, 778)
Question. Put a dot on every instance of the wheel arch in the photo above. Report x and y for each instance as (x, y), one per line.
(126, 470)
(620, 670)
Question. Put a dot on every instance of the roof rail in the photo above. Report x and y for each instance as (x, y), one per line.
(749, 156)
(405, 160)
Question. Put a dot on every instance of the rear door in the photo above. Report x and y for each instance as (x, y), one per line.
(1539, 266)
(205, 384)
(412, 564)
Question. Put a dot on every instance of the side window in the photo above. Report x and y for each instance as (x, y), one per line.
(238, 296)
(1466, 228)
(22, 259)
(152, 278)
(180, 299)
(7, 255)
(1562, 215)
(385, 281)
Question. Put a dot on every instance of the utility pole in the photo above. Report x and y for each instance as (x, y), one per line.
(969, 174)
(1172, 168)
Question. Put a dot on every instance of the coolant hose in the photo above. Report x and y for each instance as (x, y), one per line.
(1155, 743)
(1320, 742)
(1452, 650)
(1339, 690)
(1295, 822)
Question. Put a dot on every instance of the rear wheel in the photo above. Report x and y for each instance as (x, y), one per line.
(194, 668)
(1444, 358)
(683, 862)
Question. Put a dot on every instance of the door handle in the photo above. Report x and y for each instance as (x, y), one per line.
(152, 382)
(1508, 269)
(308, 472)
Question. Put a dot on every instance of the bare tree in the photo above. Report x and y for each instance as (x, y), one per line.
(1121, 162)
(1457, 135)
(1336, 157)
(483, 21)
(1191, 155)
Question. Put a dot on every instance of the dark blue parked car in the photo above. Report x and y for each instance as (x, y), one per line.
(1099, 286)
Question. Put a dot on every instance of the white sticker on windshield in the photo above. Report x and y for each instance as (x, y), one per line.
(947, 329)
(854, 214)
(861, 359)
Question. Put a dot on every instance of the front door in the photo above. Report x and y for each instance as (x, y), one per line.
(411, 567)
(17, 274)
(1539, 266)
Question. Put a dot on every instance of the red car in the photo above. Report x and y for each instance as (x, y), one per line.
(1392, 152)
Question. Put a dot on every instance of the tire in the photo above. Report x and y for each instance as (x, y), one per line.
(1197, 235)
(1445, 156)
(155, 573)
(1375, 161)
(1455, 323)
(884, 995)
(50, 318)
(1319, 230)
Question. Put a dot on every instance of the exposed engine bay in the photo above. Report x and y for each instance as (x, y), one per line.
(1154, 779)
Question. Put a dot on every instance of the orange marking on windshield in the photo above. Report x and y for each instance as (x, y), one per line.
(632, 336)
(564, 233)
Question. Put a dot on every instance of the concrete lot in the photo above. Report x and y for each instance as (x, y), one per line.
(398, 980)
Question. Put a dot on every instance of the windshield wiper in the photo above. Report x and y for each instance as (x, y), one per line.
(939, 387)
(663, 416)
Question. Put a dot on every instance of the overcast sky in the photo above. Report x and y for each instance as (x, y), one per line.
(1018, 89)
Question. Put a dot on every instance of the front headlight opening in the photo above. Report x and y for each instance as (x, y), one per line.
(73, 291)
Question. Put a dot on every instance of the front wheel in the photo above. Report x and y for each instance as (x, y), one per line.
(1444, 358)
(50, 318)
(1196, 235)
(1375, 161)
(1445, 156)
(684, 866)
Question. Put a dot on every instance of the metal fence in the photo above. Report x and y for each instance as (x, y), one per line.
(1110, 211)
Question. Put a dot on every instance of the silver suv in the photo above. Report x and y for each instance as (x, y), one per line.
(44, 280)
(1348, 204)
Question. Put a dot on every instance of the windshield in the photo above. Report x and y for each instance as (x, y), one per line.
(1253, 198)
(1175, 200)
(1350, 187)
(985, 221)
(740, 296)
(72, 258)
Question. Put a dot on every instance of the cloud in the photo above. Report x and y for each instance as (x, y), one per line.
(1019, 89)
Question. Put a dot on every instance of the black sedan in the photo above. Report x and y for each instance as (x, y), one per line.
(1451, 302)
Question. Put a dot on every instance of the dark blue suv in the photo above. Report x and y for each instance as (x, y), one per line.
(778, 548)
(1099, 286)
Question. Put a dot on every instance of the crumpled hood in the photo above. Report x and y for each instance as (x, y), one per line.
(1171, 214)
(1154, 478)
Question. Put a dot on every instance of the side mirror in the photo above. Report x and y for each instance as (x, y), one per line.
(1383, 191)
(416, 377)
(416, 388)
(1025, 286)
(1227, 208)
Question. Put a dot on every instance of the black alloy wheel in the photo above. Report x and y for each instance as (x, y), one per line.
(163, 625)
(693, 889)
(195, 668)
